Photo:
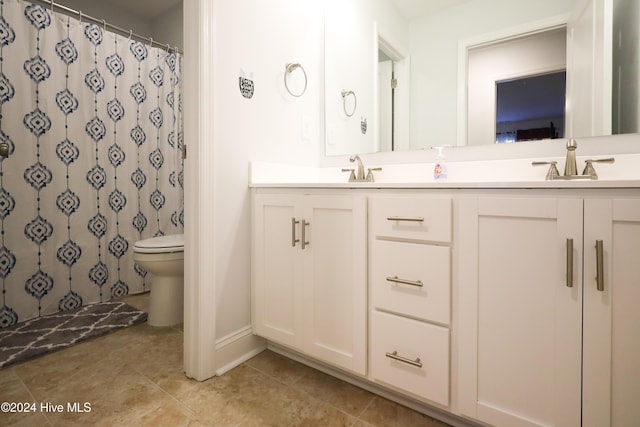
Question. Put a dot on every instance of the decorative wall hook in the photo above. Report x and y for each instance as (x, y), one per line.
(247, 86)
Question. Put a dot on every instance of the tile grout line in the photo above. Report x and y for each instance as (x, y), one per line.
(299, 391)
(373, 398)
(46, 418)
(174, 398)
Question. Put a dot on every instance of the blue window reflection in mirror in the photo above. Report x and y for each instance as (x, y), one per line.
(531, 108)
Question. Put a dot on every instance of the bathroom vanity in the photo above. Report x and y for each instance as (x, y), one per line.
(500, 303)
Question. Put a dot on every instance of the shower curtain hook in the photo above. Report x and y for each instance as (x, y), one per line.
(130, 34)
(104, 26)
(150, 42)
(52, 6)
(80, 16)
(168, 48)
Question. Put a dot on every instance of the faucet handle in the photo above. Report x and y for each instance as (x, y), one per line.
(352, 175)
(553, 172)
(370, 174)
(590, 171)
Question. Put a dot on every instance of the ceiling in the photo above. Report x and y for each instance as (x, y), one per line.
(146, 9)
(415, 8)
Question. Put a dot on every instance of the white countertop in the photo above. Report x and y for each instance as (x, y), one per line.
(453, 185)
(518, 173)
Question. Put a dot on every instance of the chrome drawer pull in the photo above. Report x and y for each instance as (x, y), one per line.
(405, 218)
(293, 232)
(599, 265)
(395, 279)
(304, 241)
(570, 263)
(395, 356)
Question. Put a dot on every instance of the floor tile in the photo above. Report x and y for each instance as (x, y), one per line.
(384, 413)
(13, 390)
(139, 301)
(279, 367)
(344, 396)
(135, 377)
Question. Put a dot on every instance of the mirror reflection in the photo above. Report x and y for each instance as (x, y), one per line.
(530, 108)
(520, 68)
(408, 63)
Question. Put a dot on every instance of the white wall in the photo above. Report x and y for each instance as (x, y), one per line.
(257, 38)
(167, 28)
(434, 45)
(103, 10)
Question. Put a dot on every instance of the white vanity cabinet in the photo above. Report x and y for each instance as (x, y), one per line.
(507, 306)
(309, 274)
(410, 288)
(538, 343)
(611, 335)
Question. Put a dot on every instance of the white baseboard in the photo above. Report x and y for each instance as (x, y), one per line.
(236, 348)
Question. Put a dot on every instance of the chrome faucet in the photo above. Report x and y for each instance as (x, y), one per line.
(360, 173)
(570, 168)
(357, 175)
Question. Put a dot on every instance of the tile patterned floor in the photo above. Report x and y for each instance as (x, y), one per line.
(134, 378)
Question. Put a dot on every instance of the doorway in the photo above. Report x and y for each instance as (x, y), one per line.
(518, 58)
(531, 108)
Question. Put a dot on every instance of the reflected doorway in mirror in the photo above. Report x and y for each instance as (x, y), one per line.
(530, 108)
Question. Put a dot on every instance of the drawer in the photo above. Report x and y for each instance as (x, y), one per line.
(410, 340)
(426, 267)
(416, 218)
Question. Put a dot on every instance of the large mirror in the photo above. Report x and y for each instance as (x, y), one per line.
(399, 74)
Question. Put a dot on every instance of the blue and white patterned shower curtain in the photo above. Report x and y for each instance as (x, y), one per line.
(94, 127)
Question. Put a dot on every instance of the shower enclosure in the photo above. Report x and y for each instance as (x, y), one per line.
(92, 130)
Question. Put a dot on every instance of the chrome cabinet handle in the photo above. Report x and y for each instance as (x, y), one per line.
(293, 232)
(395, 356)
(599, 266)
(305, 243)
(570, 263)
(395, 279)
(405, 218)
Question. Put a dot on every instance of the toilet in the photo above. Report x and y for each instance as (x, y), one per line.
(163, 258)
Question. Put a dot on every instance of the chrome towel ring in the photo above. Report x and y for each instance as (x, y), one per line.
(345, 94)
(5, 150)
(290, 68)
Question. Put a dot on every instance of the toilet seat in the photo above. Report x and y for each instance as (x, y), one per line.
(160, 244)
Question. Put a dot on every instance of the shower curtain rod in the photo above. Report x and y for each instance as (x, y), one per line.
(127, 33)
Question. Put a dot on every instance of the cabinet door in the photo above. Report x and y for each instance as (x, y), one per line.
(277, 269)
(335, 280)
(612, 314)
(520, 324)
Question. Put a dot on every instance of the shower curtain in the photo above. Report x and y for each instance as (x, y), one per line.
(93, 124)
